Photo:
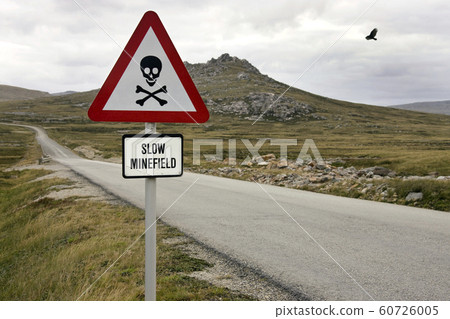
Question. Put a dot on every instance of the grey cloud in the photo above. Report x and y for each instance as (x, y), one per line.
(68, 51)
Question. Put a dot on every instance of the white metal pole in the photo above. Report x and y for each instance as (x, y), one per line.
(150, 226)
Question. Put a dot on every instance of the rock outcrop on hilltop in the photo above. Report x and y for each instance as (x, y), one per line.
(230, 85)
(271, 105)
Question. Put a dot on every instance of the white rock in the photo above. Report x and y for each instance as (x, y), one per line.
(414, 197)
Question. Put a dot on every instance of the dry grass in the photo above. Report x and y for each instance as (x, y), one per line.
(17, 146)
(55, 249)
(407, 148)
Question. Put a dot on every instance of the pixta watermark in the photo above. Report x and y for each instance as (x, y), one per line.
(309, 147)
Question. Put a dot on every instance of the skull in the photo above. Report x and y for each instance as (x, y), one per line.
(151, 68)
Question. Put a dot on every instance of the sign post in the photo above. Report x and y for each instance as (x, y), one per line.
(150, 83)
(151, 155)
(150, 228)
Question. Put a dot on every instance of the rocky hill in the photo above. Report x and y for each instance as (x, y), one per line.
(11, 93)
(230, 85)
(234, 86)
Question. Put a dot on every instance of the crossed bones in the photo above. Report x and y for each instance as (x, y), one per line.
(141, 102)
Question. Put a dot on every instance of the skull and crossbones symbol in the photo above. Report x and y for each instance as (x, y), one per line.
(151, 68)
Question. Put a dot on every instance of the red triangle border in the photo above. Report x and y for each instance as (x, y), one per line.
(96, 112)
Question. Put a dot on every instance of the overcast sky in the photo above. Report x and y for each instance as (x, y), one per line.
(54, 46)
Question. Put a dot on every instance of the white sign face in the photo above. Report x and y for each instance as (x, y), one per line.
(149, 82)
(155, 155)
(134, 93)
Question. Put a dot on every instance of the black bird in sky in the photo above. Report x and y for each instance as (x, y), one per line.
(372, 35)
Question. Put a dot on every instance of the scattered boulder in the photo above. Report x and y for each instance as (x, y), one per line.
(323, 176)
(413, 197)
(272, 165)
(269, 157)
(324, 179)
(321, 166)
(257, 159)
(314, 179)
(370, 172)
(381, 171)
(243, 76)
(282, 164)
(247, 163)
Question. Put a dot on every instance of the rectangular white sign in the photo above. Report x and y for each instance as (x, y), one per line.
(152, 155)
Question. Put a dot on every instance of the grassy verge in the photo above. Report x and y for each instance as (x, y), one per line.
(17, 144)
(55, 249)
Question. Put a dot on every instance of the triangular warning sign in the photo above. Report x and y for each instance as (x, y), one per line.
(149, 82)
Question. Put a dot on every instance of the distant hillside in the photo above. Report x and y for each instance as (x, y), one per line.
(10, 93)
(438, 107)
(236, 94)
(64, 93)
(230, 86)
(233, 86)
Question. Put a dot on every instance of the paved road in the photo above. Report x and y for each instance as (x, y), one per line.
(326, 247)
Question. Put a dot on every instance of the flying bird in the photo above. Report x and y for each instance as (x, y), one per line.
(372, 35)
